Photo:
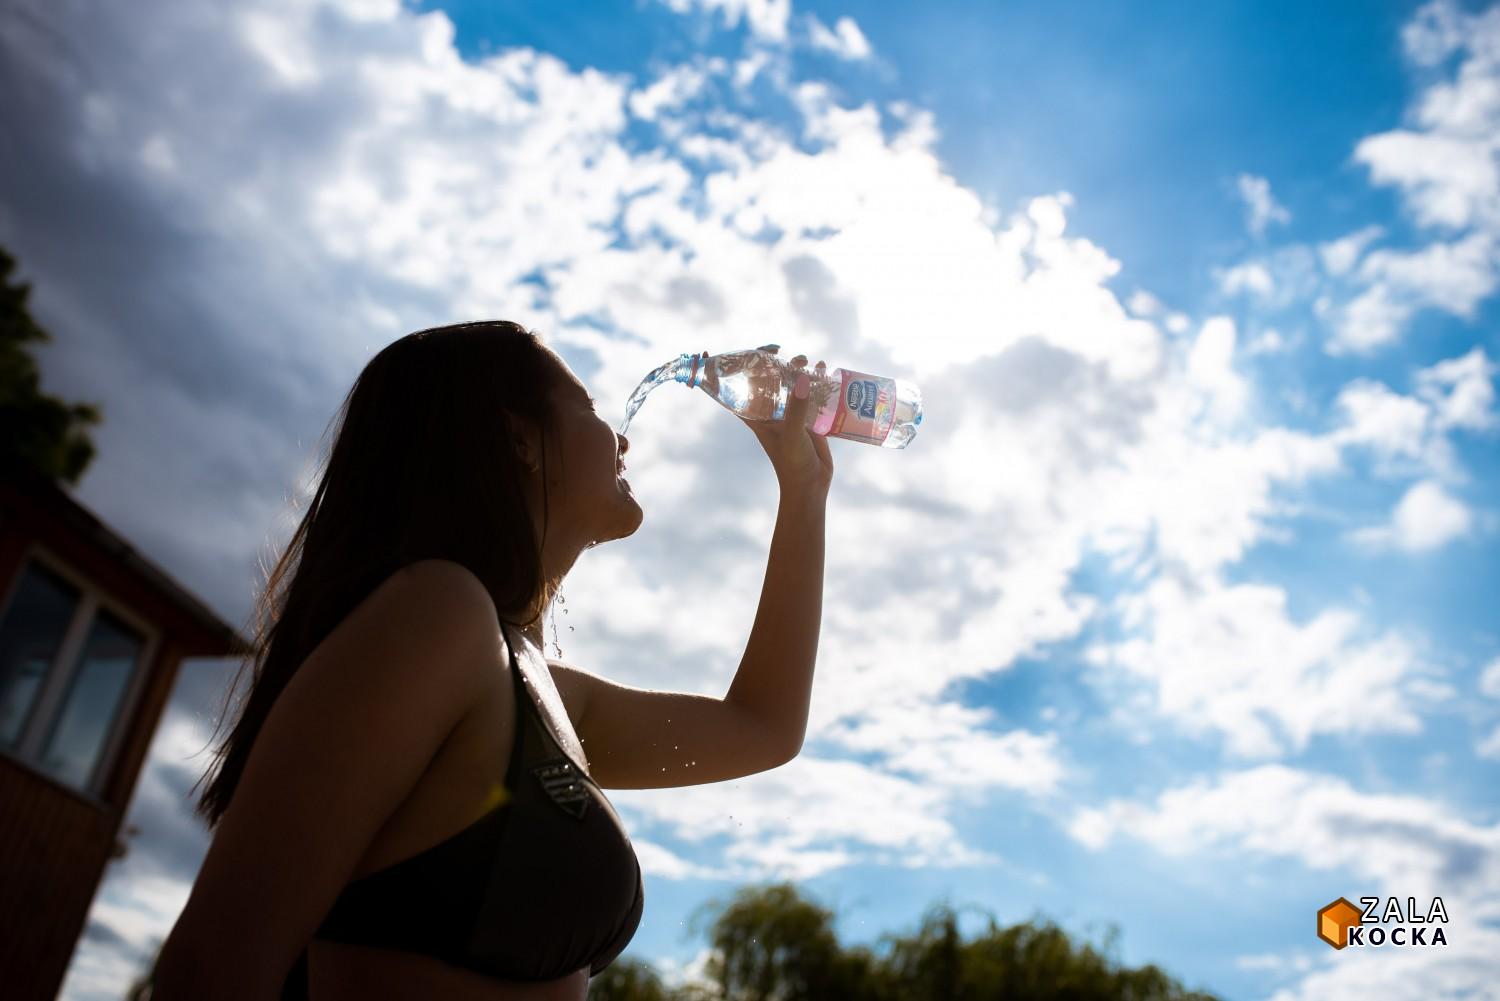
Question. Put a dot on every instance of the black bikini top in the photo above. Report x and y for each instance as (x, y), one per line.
(544, 883)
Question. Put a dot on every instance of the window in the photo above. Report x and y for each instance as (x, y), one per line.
(30, 636)
(93, 700)
(69, 667)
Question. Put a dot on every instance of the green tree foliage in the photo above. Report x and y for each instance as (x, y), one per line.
(629, 980)
(770, 944)
(40, 430)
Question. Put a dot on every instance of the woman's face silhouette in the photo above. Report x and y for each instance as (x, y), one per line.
(588, 502)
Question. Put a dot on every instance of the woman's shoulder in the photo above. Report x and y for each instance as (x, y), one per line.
(453, 584)
(432, 619)
(439, 572)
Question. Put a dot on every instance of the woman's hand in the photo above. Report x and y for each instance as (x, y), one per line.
(801, 458)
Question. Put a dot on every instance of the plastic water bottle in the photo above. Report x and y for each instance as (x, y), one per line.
(842, 403)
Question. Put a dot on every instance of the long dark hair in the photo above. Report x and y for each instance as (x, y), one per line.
(422, 465)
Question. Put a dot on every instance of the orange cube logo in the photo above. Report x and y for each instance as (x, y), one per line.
(1335, 920)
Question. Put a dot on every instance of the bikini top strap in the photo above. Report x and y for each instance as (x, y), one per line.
(523, 718)
(548, 709)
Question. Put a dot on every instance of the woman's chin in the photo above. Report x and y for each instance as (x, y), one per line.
(627, 524)
(640, 512)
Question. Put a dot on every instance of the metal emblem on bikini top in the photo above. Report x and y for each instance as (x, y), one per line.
(564, 785)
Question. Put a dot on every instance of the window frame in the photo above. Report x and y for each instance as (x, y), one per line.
(46, 711)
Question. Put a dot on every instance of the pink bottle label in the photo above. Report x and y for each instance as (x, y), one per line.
(867, 406)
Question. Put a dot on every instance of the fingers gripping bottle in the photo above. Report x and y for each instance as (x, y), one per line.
(843, 403)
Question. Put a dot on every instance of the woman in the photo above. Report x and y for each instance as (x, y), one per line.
(404, 807)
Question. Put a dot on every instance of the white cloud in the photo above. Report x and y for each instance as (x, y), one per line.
(1268, 341)
(676, 974)
(1464, 970)
(1211, 367)
(1262, 208)
(1399, 842)
(1434, 32)
(282, 44)
(1371, 319)
(1248, 277)
(947, 745)
(1409, 434)
(1453, 277)
(1143, 303)
(845, 40)
(1460, 391)
(1446, 166)
(766, 19)
(918, 132)
(806, 818)
(1229, 660)
(750, 67)
(673, 88)
(1340, 256)
(1489, 679)
(1285, 277)
(138, 916)
(1388, 844)
(1425, 518)
(1447, 180)
(1203, 498)
(1375, 415)
(659, 862)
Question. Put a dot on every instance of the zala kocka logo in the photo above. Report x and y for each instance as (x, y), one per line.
(1382, 921)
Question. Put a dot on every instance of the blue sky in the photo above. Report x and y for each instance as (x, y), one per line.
(1194, 553)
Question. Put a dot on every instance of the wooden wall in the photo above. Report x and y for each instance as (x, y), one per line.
(53, 845)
